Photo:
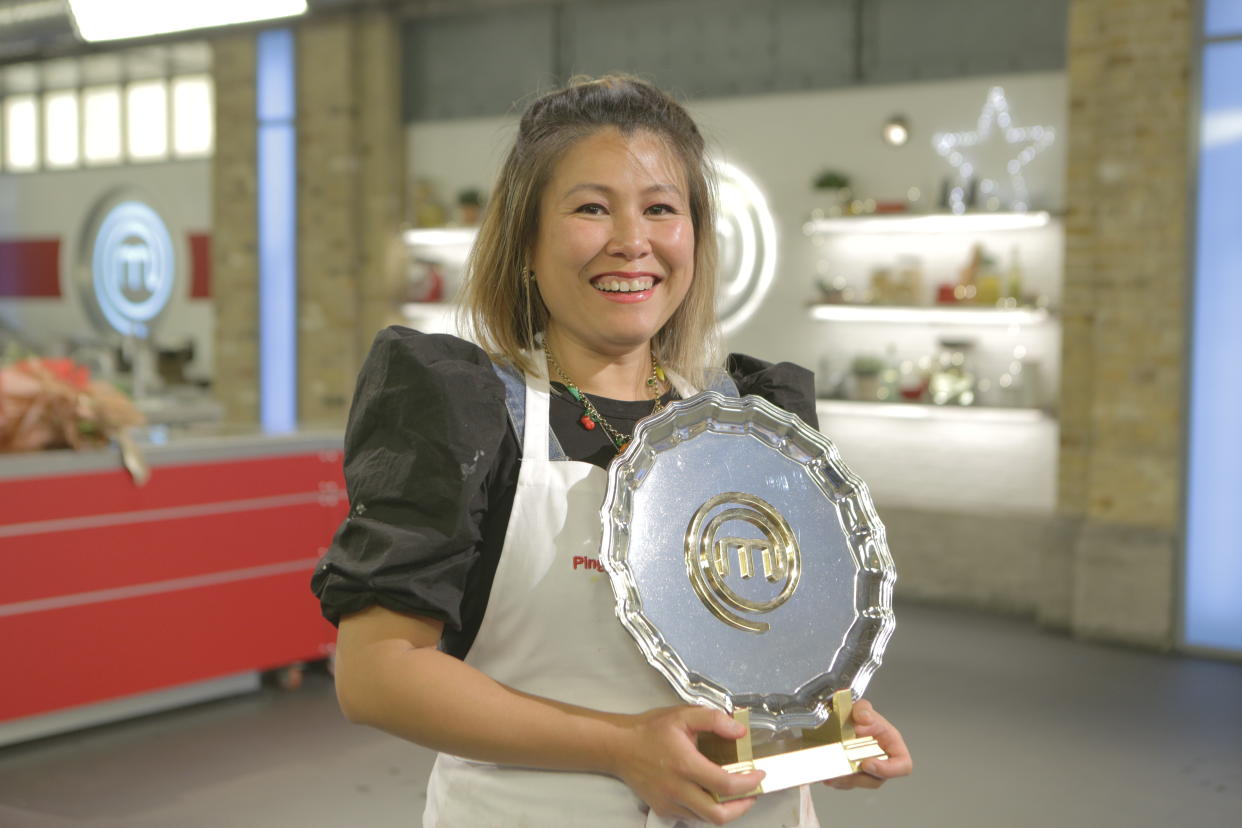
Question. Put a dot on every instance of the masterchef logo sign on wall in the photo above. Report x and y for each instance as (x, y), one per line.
(128, 266)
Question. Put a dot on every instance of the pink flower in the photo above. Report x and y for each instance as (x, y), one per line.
(53, 403)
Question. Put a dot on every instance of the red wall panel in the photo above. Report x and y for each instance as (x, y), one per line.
(111, 590)
(30, 267)
(200, 265)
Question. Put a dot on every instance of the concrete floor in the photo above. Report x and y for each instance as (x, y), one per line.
(1009, 726)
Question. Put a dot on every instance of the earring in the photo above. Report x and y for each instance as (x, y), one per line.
(528, 274)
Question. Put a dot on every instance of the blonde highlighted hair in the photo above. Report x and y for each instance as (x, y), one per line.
(501, 304)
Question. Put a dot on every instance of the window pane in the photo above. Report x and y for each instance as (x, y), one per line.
(146, 120)
(60, 129)
(21, 128)
(101, 114)
(193, 119)
(1222, 18)
(1213, 614)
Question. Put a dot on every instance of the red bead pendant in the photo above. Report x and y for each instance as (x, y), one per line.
(587, 422)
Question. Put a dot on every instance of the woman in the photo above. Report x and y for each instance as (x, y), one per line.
(465, 623)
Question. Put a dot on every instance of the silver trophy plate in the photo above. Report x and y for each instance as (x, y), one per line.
(747, 561)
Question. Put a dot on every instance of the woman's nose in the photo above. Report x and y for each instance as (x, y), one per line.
(629, 238)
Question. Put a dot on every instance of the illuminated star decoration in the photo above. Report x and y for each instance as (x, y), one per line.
(1026, 142)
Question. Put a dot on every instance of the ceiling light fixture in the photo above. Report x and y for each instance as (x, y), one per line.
(896, 131)
(101, 20)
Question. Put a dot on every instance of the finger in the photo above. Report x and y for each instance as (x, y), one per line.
(870, 723)
(707, 809)
(737, 784)
(864, 713)
(705, 720)
(711, 777)
(736, 808)
(897, 764)
(867, 722)
(707, 774)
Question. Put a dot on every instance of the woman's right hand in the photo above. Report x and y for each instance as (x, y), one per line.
(656, 754)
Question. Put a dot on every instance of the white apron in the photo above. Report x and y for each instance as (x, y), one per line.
(550, 630)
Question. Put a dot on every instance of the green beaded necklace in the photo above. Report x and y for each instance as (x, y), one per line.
(590, 414)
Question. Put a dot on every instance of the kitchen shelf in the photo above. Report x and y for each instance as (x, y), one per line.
(440, 236)
(435, 317)
(428, 310)
(933, 315)
(925, 411)
(929, 223)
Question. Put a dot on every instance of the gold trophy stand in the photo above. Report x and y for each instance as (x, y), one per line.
(824, 752)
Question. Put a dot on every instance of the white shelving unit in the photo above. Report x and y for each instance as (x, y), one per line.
(850, 248)
(448, 248)
(936, 316)
(950, 458)
(931, 223)
(963, 414)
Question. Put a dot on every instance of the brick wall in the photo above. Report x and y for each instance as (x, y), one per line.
(328, 223)
(234, 238)
(1124, 328)
(351, 176)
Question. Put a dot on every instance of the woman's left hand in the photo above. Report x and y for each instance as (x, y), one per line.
(872, 773)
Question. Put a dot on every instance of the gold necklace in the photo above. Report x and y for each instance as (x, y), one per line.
(591, 416)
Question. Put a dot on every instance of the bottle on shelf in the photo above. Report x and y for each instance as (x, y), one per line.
(1013, 280)
(890, 375)
(953, 377)
(428, 211)
(988, 283)
(909, 281)
(1019, 385)
(912, 378)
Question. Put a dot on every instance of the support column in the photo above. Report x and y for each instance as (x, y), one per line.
(234, 233)
(1124, 328)
(351, 186)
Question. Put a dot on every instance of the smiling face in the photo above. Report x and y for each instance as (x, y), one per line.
(614, 253)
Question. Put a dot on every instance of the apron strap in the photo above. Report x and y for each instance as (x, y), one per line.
(718, 381)
(515, 401)
(538, 393)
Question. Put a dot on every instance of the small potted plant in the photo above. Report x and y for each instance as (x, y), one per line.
(836, 186)
(865, 370)
(469, 206)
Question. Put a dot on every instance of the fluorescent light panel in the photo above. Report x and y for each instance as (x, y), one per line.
(99, 20)
(146, 119)
(21, 122)
(193, 120)
(60, 129)
(101, 112)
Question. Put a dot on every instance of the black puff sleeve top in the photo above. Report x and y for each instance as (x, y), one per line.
(431, 466)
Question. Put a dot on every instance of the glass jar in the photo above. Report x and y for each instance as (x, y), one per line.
(953, 374)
